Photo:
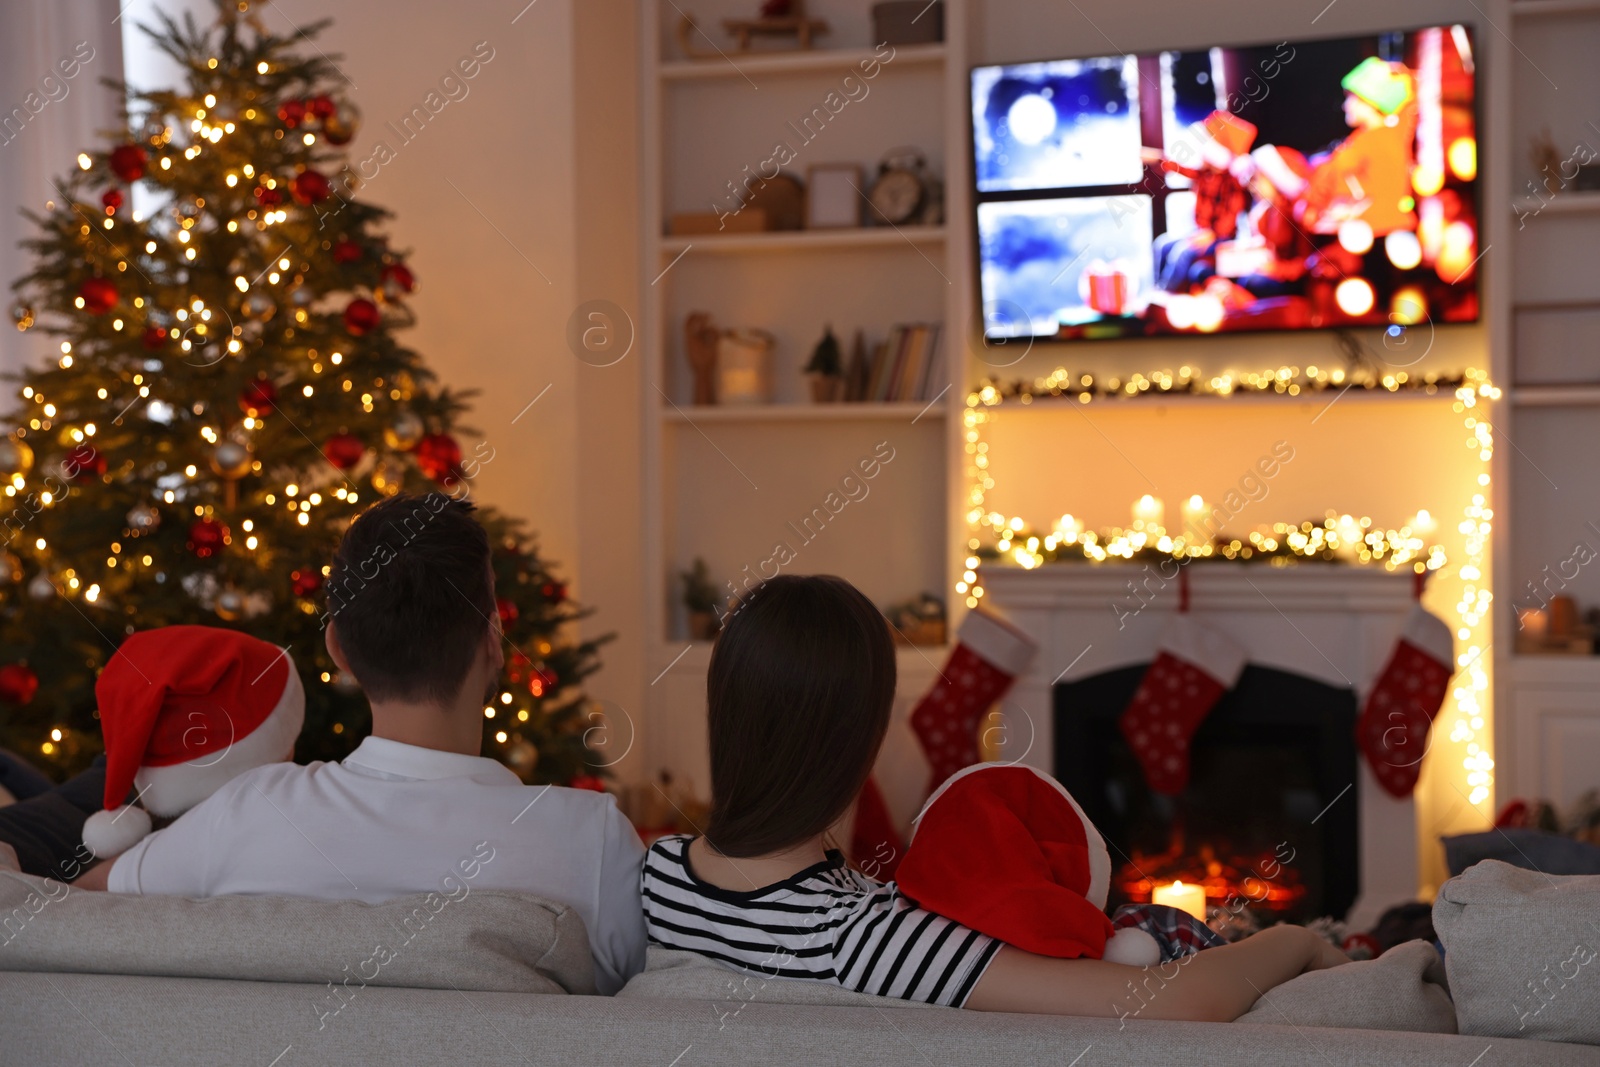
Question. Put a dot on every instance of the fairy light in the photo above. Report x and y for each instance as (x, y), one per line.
(1339, 537)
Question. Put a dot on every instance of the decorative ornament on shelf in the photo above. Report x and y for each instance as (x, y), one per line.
(143, 518)
(97, 295)
(361, 316)
(778, 18)
(18, 683)
(905, 192)
(825, 370)
(206, 537)
(700, 599)
(403, 431)
(344, 450)
(231, 460)
(439, 457)
(16, 456)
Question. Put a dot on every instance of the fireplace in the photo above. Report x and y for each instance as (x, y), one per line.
(1268, 819)
(1324, 624)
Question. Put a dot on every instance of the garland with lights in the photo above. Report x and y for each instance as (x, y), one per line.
(228, 394)
(996, 538)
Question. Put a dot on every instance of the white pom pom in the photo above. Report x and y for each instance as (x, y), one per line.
(111, 833)
(1132, 946)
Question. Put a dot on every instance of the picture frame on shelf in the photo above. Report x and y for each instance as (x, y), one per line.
(833, 196)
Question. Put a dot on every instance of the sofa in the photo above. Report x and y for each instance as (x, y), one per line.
(499, 978)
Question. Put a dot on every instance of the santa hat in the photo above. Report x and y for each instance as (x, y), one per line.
(1005, 850)
(185, 709)
(1230, 131)
(1286, 168)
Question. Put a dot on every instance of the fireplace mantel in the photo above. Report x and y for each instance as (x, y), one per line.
(1330, 622)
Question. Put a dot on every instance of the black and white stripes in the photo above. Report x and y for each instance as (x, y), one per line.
(827, 923)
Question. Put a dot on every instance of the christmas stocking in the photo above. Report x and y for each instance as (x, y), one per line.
(988, 656)
(1194, 666)
(875, 847)
(1394, 723)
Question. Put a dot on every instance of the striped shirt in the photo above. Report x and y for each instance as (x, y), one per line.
(827, 923)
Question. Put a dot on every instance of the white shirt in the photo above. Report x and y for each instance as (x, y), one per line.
(394, 819)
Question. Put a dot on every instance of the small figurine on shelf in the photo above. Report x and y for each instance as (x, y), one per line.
(700, 340)
(700, 597)
(918, 622)
(826, 369)
(778, 18)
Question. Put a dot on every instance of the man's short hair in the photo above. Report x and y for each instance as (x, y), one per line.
(411, 593)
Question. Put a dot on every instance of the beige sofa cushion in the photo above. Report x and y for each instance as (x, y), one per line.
(672, 974)
(483, 940)
(1404, 989)
(1523, 952)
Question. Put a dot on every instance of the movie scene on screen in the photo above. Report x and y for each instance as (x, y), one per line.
(1282, 186)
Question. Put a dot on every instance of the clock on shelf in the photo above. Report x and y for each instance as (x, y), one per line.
(905, 192)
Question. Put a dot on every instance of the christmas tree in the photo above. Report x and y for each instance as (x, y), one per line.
(227, 395)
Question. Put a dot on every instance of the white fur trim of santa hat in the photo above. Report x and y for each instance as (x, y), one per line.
(173, 790)
(997, 641)
(111, 833)
(1191, 639)
(1431, 634)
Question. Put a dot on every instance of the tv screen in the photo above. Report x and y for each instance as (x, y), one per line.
(1289, 186)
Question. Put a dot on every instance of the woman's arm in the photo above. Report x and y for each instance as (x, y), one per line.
(1217, 985)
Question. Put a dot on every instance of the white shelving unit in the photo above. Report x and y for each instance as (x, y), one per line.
(1547, 720)
(724, 483)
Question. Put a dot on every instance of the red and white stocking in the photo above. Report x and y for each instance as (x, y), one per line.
(1398, 715)
(988, 656)
(875, 846)
(1194, 666)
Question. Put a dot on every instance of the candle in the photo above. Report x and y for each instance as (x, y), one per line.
(1195, 510)
(1148, 510)
(1069, 528)
(1424, 523)
(1189, 898)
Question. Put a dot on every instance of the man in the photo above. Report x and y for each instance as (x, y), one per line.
(412, 618)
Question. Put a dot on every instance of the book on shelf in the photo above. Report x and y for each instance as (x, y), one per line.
(903, 367)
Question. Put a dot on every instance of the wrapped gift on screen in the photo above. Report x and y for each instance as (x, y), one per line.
(1108, 288)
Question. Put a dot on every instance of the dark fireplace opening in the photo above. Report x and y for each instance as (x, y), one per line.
(1269, 819)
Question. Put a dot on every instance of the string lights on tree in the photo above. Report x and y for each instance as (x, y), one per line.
(228, 393)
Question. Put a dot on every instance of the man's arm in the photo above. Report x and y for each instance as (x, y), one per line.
(1216, 985)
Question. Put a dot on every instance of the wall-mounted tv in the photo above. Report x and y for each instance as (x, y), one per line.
(1289, 186)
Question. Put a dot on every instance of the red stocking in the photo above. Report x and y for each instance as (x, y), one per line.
(1194, 666)
(1399, 712)
(874, 845)
(988, 656)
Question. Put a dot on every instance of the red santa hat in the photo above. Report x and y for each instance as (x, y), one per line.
(1005, 850)
(185, 709)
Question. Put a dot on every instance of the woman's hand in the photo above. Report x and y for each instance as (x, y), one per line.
(1324, 954)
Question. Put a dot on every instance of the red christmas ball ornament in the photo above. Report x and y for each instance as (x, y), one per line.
(128, 162)
(305, 581)
(206, 537)
(361, 316)
(84, 463)
(321, 107)
(268, 197)
(554, 591)
(18, 683)
(154, 337)
(258, 397)
(346, 251)
(310, 187)
(587, 781)
(399, 276)
(99, 295)
(507, 610)
(344, 450)
(438, 456)
(111, 199)
(292, 113)
(542, 680)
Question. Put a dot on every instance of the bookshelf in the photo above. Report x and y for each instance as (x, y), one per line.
(725, 482)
